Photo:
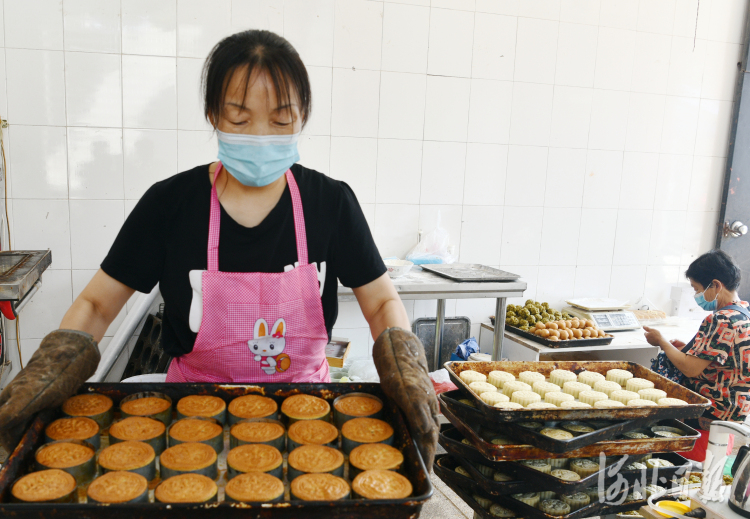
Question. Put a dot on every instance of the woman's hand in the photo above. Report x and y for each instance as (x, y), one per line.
(654, 337)
(400, 360)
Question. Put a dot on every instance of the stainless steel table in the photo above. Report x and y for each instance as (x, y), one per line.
(419, 284)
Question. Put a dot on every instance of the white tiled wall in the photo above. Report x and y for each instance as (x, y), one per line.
(579, 143)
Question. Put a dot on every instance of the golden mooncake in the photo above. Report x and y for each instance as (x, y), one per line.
(315, 459)
(257, 432)
(358, 406)
(185, 457)
(305, 407)
(90, 404)
(191, 430)
(137, 428)
(186, 488)
(252, 406)
(367, 430)
(201, 405)
(254, 457)
(45, 485)
(319, 487)
(77, 428)
(127, 455)
(63, 455)
(313, 432)
(381, 484)
(372, 456)
(146, 406)
(254, 487)
(117, 487)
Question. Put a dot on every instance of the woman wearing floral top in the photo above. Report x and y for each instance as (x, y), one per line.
(717, 361)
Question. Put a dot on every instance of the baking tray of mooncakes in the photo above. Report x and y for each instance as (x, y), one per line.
(471, 425)
(696, 404)
(21, 461)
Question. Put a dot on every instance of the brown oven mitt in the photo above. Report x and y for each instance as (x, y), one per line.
(64, 360)
(402, 366)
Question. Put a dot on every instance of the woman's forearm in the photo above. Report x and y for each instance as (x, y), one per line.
(689, 365)
(390, 314)
(97, 306)
(83, 315)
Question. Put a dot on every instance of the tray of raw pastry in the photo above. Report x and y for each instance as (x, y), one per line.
(216, 451)
(542, 505)
(573, 391)
(560, 475)
(493, 442)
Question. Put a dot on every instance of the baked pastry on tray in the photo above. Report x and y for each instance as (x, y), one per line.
(45, 486)
(319, 487)
(254, 487)
(187, 488)
(381, 484)
(118, 487)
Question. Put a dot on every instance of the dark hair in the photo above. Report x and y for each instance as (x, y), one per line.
(253, 49)
(715, 264)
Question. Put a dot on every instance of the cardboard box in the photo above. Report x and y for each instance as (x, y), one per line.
(336, 351)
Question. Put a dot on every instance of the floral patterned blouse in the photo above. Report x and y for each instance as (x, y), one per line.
(724, 338)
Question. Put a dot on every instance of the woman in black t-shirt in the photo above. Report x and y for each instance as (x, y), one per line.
(248, 251)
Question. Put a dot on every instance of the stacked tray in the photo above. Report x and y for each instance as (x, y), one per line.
(469, 421)
(466, 488)
(21, 462)
(482, 441)
(696, 404)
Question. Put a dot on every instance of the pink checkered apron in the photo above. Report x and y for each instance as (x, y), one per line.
(258, 327)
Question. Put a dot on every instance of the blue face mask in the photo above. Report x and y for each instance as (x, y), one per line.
(706, 305)
(257, 160)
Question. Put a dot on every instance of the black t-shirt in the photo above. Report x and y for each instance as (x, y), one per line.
(166, 236)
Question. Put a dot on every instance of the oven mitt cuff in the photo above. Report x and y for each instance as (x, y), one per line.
(401, 363)
(64, 360)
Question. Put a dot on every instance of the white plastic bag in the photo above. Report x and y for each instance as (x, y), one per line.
(363, 370)
(433, 248)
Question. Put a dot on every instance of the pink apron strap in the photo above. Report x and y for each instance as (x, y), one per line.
(214, 225)
(299, 218)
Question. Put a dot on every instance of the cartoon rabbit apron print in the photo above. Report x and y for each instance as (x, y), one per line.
(269, 348)
(231, 312)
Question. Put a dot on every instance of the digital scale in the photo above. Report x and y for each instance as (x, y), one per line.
(609, 315)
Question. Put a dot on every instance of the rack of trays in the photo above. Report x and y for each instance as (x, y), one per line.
(507, 457)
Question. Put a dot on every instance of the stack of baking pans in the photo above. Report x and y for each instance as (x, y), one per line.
(499, 462)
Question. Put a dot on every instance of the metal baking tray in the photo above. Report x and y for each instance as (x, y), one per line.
(21, 461)
(445, 470)
(450, 440)
(696, 403)
(528, 436)
(467, 420)
(576, 343)
(462, 486)
(471, 272)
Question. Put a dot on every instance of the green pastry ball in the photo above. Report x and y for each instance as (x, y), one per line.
(515, 321)
(523, 313)
(531, 319)
(545, 315)
(524, 328)
(523, 322)
(529, 302)
(545, 305)
(545, 320)
(510, 313)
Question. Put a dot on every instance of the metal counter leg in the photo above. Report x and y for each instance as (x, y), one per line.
(439, 324)
(497, 340)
